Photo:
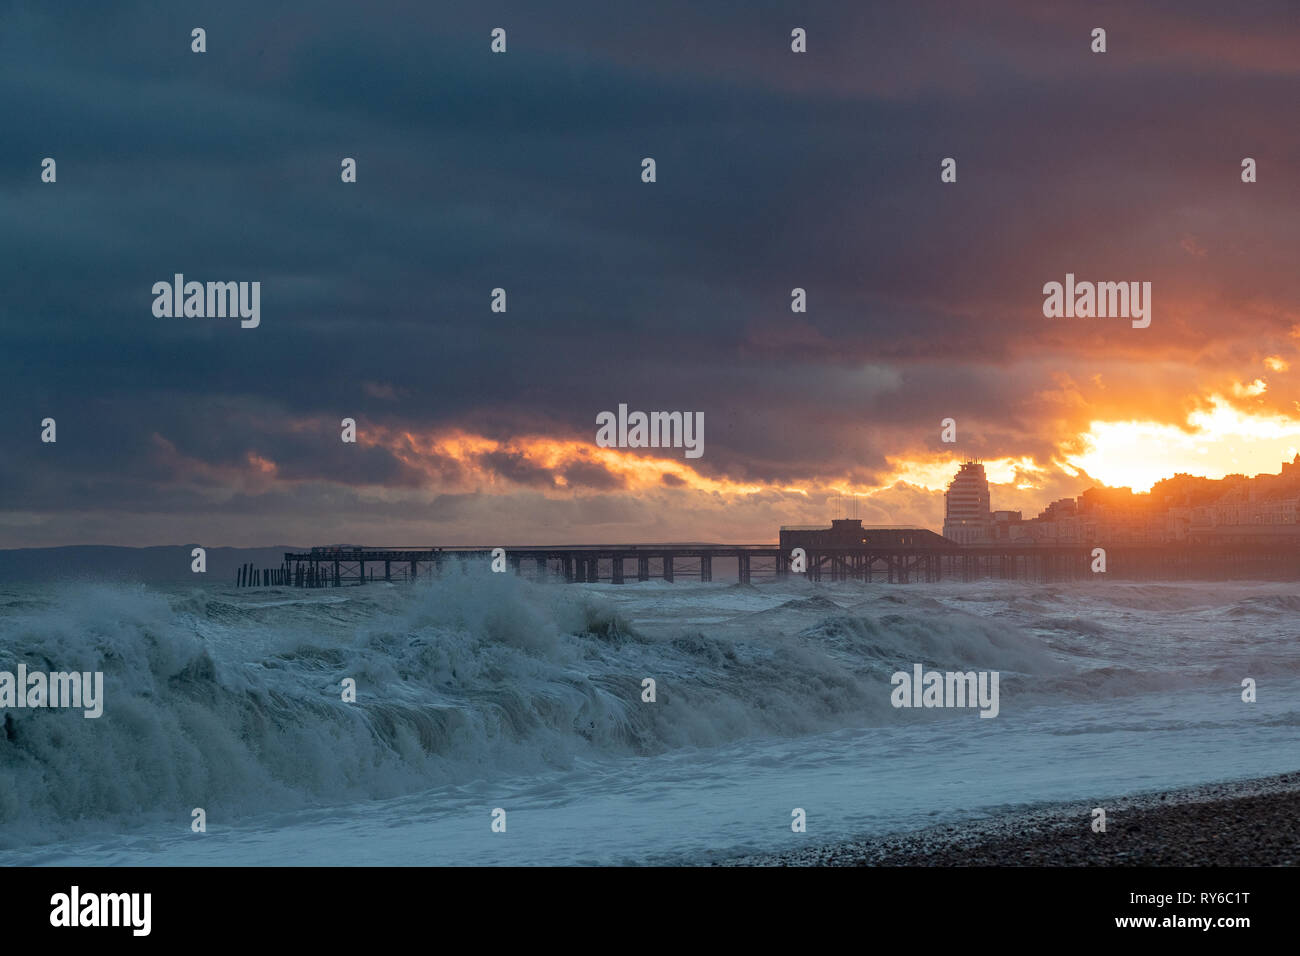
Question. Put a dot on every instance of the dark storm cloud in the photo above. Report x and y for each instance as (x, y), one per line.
(522, 171)
(517, 468)
(591, 475)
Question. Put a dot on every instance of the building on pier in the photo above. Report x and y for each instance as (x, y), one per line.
(849, 534)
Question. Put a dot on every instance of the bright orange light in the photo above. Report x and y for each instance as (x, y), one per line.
(938, 474)
(431, 452)
(1222, 440)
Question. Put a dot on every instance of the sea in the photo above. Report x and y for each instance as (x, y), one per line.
(499, 720)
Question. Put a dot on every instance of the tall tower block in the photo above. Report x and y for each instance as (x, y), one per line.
(968, 517)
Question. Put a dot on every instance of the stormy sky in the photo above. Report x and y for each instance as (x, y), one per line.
(522, 171)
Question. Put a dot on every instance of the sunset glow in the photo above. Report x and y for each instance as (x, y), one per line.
(935, 475)
(546, 458)
(1218, 441)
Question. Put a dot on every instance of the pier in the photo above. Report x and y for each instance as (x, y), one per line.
(908, 560)
(616, 564)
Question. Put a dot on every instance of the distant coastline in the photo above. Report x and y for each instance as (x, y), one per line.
(165, 564)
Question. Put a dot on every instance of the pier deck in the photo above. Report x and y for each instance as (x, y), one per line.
(901, 564)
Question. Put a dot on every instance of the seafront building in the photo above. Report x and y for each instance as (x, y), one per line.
(1184, 508)
(967, 518)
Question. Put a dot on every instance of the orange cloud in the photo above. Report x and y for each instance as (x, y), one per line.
(476, 458)
(255, 475)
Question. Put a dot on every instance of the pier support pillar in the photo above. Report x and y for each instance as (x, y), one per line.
(617, 570)
(706, 567)
(742, 563)
(668, 568)
(642, 568)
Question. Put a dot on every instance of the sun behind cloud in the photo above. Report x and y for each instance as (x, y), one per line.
(1220, 440)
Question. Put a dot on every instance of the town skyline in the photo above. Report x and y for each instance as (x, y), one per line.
(1178, 508)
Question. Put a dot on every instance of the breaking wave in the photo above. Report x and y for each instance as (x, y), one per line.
(233, 701)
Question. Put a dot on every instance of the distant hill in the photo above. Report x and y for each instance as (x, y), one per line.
(160, 565)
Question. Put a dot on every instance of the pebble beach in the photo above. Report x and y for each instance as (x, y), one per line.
(1241, 823)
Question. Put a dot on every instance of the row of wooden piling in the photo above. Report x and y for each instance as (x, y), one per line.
(314, 576)
(254, 577)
